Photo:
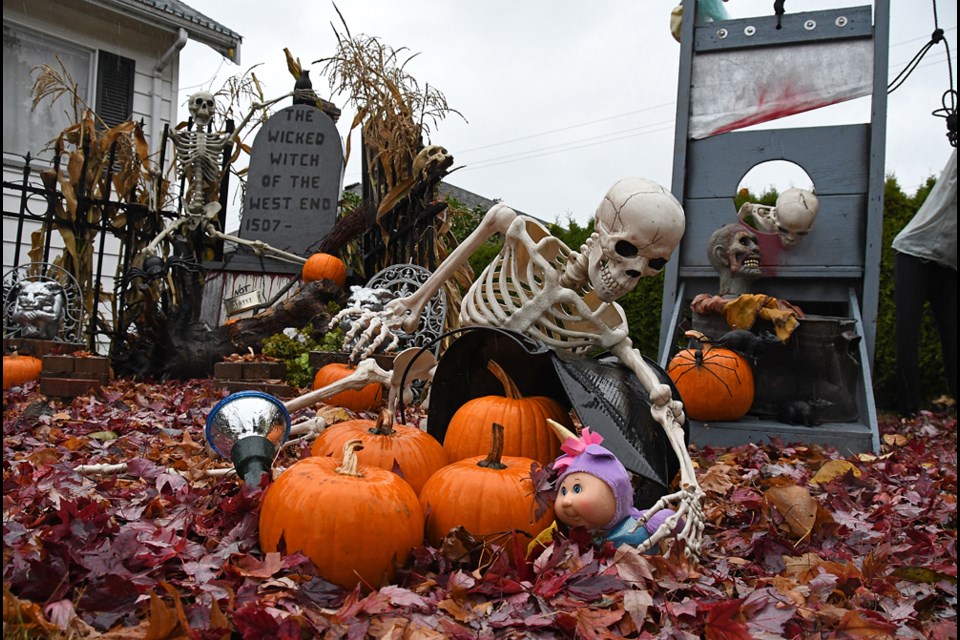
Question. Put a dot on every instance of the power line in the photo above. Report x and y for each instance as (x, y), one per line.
(573, 126)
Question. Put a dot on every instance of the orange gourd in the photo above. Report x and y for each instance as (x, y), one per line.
(356, 399)
(322, 266)
(415, 453)
(19, 369)
(715, 384)
(488, 496)
(356, 523)
(524, 420)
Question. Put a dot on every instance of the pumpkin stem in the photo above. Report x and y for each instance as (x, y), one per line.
(349, 465)
(384, 425)
(492, 461)
(510, 389)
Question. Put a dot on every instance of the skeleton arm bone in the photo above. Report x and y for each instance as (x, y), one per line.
(409, 309)
(669, 414)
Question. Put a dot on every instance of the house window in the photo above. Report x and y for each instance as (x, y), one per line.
(114, 88)
(34, 131)
(26, 130)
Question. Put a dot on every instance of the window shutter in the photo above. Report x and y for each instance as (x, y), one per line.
(114, 88)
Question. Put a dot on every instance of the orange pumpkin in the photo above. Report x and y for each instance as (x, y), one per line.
(356, 399)
(19, 369)
(524, 419)
(415, 453)
(323, 266)
(357, 523)
(715, 384)
(488, 496)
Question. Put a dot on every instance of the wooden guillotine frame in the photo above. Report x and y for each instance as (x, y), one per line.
(836, 268)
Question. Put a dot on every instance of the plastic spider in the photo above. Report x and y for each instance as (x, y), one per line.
(698, 360)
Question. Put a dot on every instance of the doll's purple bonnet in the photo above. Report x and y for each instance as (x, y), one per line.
(584, 454)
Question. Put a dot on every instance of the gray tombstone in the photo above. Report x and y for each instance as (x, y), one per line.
(294, 182)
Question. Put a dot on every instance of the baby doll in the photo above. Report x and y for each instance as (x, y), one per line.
(594, 492)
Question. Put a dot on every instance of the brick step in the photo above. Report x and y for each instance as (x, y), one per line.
(60, 387)
(92, 366)
(249, 370)
(278, 389)
(39, 348)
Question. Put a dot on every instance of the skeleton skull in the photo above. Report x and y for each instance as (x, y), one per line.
(795, 213)
(431, 159)
(202, 107)
(639, 224)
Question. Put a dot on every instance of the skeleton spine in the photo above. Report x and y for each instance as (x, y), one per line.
(576, 272)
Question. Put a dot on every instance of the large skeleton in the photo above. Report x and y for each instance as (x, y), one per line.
(567, 299)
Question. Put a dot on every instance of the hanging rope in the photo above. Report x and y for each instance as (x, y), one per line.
(949, 101)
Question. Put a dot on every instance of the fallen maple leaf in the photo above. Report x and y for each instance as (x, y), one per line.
(796, 506)
(834, 469)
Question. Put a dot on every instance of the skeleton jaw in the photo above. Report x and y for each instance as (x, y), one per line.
(607, 283)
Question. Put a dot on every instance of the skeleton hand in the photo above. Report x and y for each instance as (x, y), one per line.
(689, 512)
(689, 500)
(367, 331)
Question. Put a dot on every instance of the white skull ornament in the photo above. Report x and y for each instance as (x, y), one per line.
(639, 224)
(796, 210)
(202, 107)
(431, 159)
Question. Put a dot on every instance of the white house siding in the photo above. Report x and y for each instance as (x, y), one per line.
(95, 28)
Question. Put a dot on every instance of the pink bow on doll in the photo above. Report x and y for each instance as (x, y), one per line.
(573, 447)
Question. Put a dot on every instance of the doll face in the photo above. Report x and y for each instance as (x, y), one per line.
(584, 500)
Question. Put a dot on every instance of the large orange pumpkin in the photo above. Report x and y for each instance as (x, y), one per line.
(524, 420)
(488, 496)
(323, 266)
(415, 453)
(356, 399)
(357, 523)
(715, 384)
(19, 369)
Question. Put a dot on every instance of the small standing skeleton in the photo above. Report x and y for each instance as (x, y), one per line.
(567, 299)
(198, 155)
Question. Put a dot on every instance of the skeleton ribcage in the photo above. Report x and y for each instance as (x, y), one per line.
(511, 294)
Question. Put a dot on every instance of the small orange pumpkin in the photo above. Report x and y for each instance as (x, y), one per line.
(357, 523)
(715, 384)
(19, 369)
(524, 419)
(356, 399)
(488, 496)
(388, 446)
(322, 266)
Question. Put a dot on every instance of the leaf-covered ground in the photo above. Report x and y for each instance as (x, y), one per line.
(802, 542)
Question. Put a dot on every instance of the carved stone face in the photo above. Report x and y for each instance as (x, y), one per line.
(734, 252)
(202, 107)
(431, 158)
(39, 309)
(796, 211)
(639, 224)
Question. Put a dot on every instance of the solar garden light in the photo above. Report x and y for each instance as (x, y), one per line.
(248, 426)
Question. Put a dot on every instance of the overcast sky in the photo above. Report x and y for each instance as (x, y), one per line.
(561, 99)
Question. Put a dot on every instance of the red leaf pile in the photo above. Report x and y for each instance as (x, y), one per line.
(801, 542)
